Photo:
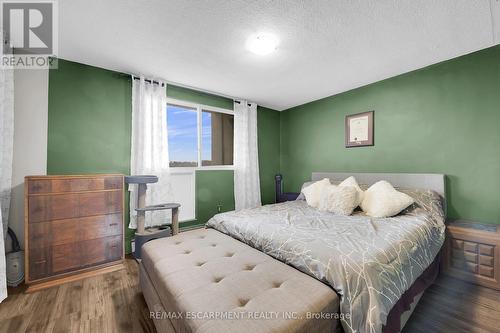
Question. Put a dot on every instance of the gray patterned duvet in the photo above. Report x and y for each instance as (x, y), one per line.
(370, 262)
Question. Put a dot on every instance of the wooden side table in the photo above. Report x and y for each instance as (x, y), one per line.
(472, 252)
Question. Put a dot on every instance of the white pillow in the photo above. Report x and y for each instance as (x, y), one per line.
(382, 200)
(340, 200)
(314, 191)
(351, 181)
(301, 195)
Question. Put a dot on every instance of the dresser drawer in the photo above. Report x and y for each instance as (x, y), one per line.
(102, 250)
(40, 263)
(464, 255)
(470, 247)
(486, 271)
(49, 207)
(52, 207)
(486, 260)
(464, 265)
(59, 259)
(101, 226)
(41, 186)
(487, 250)
(58, 232)
(100, 203)
(66, 257)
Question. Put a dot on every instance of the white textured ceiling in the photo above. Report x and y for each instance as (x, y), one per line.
(326, 46)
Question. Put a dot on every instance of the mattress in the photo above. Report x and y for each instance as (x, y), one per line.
(369, 262)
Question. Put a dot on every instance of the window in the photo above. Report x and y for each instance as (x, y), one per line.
(217, 138)
(182, 136)
(199, 136)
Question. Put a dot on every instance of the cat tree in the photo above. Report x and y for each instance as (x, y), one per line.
(143, 234)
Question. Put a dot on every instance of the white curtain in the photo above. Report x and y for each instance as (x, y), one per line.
(150, 148)
(246, 156)
(6, 149)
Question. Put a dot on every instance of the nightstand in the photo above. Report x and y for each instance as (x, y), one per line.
(472, 252)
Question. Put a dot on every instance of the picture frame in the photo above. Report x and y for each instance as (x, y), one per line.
(359, 129)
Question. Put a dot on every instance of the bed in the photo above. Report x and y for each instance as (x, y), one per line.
(379, 268)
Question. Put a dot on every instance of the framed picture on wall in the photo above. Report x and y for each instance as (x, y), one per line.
(359, 129)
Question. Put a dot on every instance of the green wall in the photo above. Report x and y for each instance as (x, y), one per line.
(441, 119)
(90, 128)
(90, 119)
(268, 134)
(213, 187)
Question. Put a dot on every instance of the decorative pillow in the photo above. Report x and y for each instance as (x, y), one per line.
(351, 181)
(301, 195)
(340, 200)
(314, 192)
(382, 200)
(306, 184)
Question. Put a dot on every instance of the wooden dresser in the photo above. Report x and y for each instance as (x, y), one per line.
(472, 253)
(73, 227)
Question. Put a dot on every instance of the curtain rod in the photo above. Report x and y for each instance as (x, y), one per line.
(136, 77)
(239, 102)
(147, 80)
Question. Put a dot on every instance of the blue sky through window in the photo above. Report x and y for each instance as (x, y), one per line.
(183, 134)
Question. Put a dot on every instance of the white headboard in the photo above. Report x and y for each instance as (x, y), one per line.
(426, 181)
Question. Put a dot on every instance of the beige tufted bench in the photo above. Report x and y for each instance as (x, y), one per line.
(205, 281)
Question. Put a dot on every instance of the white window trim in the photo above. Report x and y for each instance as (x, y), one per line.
(183, 170)
(199, 108)
(196, 106)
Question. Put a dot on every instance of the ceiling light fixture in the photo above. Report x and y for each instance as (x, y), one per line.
(262, 43)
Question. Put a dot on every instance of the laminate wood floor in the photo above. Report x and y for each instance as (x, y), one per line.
(110, 302)
(452, 305)
(114, 303)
